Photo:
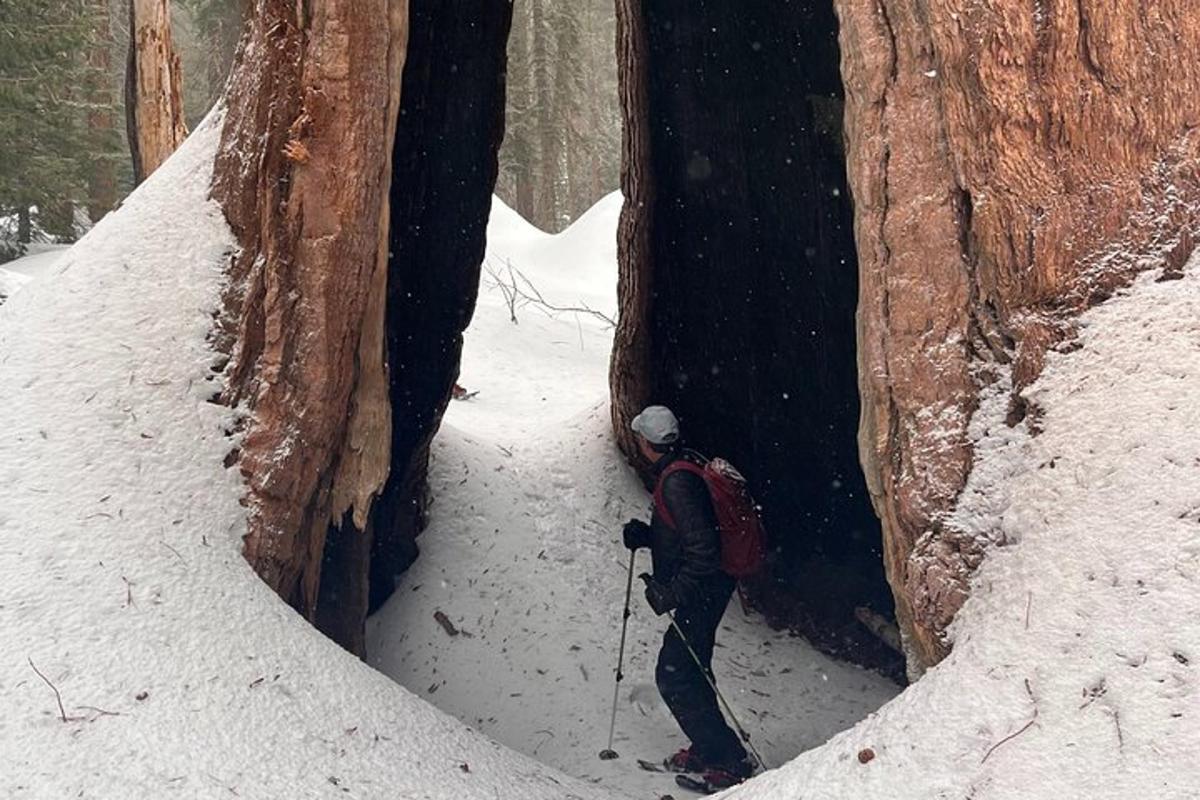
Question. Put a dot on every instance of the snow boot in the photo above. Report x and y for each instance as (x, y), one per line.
(723, 777)
(685, 761)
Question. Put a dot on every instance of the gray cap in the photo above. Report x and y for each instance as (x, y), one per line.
(658, 425)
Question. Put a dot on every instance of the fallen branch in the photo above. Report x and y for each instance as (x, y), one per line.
(100, 711)
(1116, 716)
(62, 712)
(445, 622)
(173, 550)
(537, 299)
(1025, 727)
(516, 296)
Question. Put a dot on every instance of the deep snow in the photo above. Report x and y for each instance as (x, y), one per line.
(180, 673)
(1073, 674)
(523, 552)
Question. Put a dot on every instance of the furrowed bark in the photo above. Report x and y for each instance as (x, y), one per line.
(1012, 165)
(153, 88)
(362, 229)
(629, 374)
(303, 175)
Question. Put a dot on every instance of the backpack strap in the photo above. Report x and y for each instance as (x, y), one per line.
(679, 465)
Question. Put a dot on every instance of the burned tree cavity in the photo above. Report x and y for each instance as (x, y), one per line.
(443, 173)
(739, 279)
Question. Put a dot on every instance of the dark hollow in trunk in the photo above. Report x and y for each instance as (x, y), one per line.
(754, 284)
(444, 171)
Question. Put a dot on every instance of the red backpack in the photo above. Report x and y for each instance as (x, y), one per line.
(743, 540)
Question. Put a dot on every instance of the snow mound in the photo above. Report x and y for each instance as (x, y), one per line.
(528, 361)
(180, 673)
(38, 261)
(10, 283)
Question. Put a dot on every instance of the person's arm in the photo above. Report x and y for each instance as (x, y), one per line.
(686, 496)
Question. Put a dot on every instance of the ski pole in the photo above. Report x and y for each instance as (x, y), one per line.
(608, 754)
(713, 685)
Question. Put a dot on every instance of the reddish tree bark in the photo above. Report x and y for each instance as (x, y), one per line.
(361, 227)
(153, 88)
(1011, 166)
(303, 175)
(630, 371)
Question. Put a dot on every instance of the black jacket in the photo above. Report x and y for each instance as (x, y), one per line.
(687, 558)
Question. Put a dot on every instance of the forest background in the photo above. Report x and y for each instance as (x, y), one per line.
(66, 160)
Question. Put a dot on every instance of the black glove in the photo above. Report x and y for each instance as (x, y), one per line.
(658, 595)
(636, 534)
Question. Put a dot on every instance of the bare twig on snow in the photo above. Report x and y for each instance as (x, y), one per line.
(1025, 727)
(62, 712)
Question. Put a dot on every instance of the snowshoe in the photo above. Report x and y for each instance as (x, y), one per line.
(682, 762)
(714, 779)
(697, 785)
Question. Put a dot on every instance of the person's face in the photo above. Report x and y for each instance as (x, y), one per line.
(648, 451)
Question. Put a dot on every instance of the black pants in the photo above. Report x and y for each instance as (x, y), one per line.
(684, 687)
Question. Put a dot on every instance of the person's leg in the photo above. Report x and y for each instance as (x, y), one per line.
(685, 688)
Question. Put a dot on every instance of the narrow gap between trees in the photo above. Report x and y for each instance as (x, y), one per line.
(753, 343)
(755, 289)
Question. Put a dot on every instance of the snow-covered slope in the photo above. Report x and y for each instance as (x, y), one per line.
(180, 673)
(40, 260)
(547, 363)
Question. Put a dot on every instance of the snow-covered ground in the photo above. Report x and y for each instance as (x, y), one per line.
(523, 552)
(180, 673)
(1074, 673)
(16, 274)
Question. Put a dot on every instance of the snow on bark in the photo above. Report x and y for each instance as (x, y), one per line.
(1010, 167)
(303, 176)
(153, 88)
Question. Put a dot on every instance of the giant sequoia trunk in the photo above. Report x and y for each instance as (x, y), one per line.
(153, 87)
(1010, 164)
(356, 170)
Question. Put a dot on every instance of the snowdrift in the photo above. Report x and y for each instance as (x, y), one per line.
(180, 672)
(1074, 673)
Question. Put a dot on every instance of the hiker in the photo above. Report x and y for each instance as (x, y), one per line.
(685, 545)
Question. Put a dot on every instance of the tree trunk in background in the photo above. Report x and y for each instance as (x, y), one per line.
(361, 225)
(101, 117)
(629, 374)
(303, 176)
(24, 226)
(562, 145)
(153, 93)
(1011, 166)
